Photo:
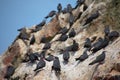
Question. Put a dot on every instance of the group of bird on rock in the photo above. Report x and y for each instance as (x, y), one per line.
(90, 44)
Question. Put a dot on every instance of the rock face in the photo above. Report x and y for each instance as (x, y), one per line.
(17, 55)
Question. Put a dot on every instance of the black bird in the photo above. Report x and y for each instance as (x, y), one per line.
(56, 65)
(47, 46)
(79, 3)
(71, 19)
(105, 42)
(83, 56)
(41, 64)
(85, 7)
(63, 31)
(107, 30)
(99, 58)
(66, 56)
(69, 8)
(33, 57)
(72, 33)
(22, 29)
(73, 47)
(97, 46)
(113, 35)
(63, 38)
(51, 14)
(87, 43)
(9, 72)
(91, 18)
(32, 41)
(59, 7)
(64, 10)
(49, 58)
(23, 36)
(41, 24)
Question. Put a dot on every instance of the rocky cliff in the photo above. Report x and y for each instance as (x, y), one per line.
(89, 20)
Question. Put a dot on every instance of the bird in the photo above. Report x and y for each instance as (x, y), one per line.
(41, 24)
(69, 8)
(97, 45)
(47, 46)
(33, 57)
(40, 64)
(85, 7)
(32, 41)
(87, 43)
(51, 14)
(106, 30)
(23, 36)
(83, 56)
(64, 10)
(56, 65)
(9, 72)
(79, 3)
(74, 47)
(91, 18)
(59, 7)
(72, 33)
(50, 58)
(63, 38)
(66, 56)
(113, 35)
(71, 19)
(105, 42)
(22, 29)
(63, 31)
(100, 58)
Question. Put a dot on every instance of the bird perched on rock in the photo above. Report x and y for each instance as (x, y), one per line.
(72, 33)
(32, 41)
(69, 8)
(63, 38)
(49, 58)
(59, 7)
(97, 45)
(33, 57)
(113, 35)
(107, 30)
(47, 46)
(9, 72)
(56, 65)
(66, 56)
(91, 18)
(87, 43)
(41, 64)
(83, 56)
(79, 3)
(63, 31)
(51, 14)
(64, 10)
(99, 58)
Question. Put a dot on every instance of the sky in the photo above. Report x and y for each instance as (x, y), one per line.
(15, 14)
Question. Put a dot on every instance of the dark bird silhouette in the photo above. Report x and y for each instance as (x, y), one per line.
(91, 18)
(49, 58)
(71, 19)
(63, 38)
(104, 43)
(73, 47)
(72, 33)
(97, 45)
(22, 29)
(107, 30)
(9, 72)
(56, 65)
(32, 41)
(87, 43)
(47, 46)
(63, 31)
(59, 7)
(33, 57)
(41, 64)
(64, 10)
(51, 14)
(41, 24)
(85, 7)
(79, 3)
(69, 8)
(113, 35)
(83, 56)
(99, 58)
(66, 56)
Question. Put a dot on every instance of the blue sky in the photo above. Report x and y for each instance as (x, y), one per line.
(15, 14)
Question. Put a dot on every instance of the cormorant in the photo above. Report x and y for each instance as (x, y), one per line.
(51, 14)
(47, 46)
(63, 38)
(66, 56)
(49, 58)
(59, 7)
(32, 41)
(63, 31)
(87, 43)
(72, 33)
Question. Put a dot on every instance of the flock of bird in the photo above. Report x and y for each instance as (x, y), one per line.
(89, 44)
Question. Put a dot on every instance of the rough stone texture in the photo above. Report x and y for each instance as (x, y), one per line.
(71, 71)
